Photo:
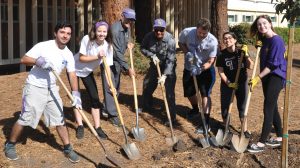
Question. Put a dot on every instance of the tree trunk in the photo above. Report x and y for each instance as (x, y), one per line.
(144, 21)
(111, 9)
(219, 19)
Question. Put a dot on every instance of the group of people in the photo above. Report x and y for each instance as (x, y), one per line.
(201, 51)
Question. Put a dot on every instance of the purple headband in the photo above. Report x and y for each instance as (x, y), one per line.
(102, 23)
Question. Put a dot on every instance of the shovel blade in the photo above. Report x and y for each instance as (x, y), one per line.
(239, 143)
(204, 142)
(213, 141)
(171, 141)
(131, 151)
(219, 137)
(139, 133)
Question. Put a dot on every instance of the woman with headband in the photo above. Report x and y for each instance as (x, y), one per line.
(92, 49)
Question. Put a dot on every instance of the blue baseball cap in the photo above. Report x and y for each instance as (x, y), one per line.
(129, 13)
(159, 23)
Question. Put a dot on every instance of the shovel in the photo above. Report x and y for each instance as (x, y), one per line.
(108, 157)
(224, 137)
(173, 140)
(240, 143)
(205, 142)
(130, 149)
(138, 133)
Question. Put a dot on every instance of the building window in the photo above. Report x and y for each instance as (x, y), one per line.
(247, 18)
(232, 18)
(273, 18)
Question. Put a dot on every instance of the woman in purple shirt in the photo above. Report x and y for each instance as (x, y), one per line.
(272, 75)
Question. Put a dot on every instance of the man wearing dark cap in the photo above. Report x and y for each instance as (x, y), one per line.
(159, 45)
(120, 36)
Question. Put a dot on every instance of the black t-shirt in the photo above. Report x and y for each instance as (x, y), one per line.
(229, 62)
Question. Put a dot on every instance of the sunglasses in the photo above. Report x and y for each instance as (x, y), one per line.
(159, 30)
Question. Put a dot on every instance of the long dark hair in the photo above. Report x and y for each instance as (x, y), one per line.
(254, 30)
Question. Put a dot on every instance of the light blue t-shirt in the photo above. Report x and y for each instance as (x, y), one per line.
(202, 49)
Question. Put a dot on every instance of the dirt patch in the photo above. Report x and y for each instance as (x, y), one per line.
(42, 147)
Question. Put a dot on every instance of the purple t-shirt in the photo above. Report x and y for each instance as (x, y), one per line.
(272, 56)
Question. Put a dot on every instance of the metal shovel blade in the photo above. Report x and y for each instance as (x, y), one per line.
(204, 142)
(239, 143)
(213, 141)
(131, 151)
(171, 141)
(138, 133)
(223, 138)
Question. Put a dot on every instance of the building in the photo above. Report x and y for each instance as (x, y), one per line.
(241, 11)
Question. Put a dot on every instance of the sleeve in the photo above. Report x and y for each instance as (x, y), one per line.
(35, 51)
(183, 36)
(220, 60)
(83, 45)
(214, 49)
(275, 54)
(145, 46)
(171, 57)
(109, 55)
(118, 55)
(70, 62)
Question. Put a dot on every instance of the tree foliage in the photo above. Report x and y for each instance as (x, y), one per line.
(290, 7)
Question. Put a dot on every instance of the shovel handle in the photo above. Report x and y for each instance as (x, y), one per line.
(80, 111)
(165, 101)
(113, 90)
(134, 85)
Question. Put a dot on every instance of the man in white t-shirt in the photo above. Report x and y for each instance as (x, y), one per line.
(40, 93)
(200, 49)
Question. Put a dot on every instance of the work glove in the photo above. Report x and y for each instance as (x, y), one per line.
(155, 60)
(43, 63)
(285, 55)
(189, 56)
(253, 82)
(258, 43)
(77, 100)
(245, 50)
(162, 79)
(233, 85)
(195, 70)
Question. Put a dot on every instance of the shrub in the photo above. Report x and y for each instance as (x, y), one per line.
(140, 62)
(242, 33)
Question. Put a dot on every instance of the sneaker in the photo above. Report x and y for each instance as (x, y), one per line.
(71, 155)
(115, 121)
(254, 148)
(273, 143)
(104, 113)
(200, 130)
(80, 132)
(101, 133)
(248, 134)
(10, 151)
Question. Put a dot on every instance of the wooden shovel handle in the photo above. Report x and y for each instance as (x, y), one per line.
(80, 111)
(133, 82)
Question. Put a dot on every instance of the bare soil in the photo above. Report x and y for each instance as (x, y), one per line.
(42, 147)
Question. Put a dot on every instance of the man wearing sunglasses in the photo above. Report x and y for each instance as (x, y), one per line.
(160, 46)
(121, 35)
(200, 49)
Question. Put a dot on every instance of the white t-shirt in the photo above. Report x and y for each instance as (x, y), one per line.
(91, 48)
(203, 49)
(60, 58)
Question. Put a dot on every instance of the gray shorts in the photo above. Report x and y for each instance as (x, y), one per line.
(37, 101)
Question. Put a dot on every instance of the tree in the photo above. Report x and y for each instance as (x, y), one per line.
(291, 8)
(219, 20)
(111, 9)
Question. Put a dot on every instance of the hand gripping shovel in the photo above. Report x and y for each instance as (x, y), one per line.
(173, 140)
(130, 149)
(108, 157)
(240, 143)
(225, 137)
(138, 133)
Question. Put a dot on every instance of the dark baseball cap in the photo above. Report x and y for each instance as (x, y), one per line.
(129, 13)
(159, 23)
